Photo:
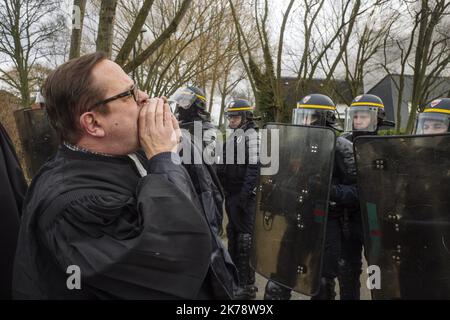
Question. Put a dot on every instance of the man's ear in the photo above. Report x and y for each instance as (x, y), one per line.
(90, 124)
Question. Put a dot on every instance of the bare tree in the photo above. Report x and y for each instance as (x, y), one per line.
(404, 48)
(186, 57)
(429, 61)
(320, 43)
(344, 36)
(164, 36)
(135, 31)
(307, 67)
(322, 32)
(422, 50)
(203, 52)
(106, 39)
(106, 26)
(262, 76)
(27, 30)
(371, 31)
(227, 85)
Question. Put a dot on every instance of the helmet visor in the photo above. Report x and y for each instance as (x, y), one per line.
(182, 98)
(233, 113)
(432, 123)
(361, 118)
(309, 117)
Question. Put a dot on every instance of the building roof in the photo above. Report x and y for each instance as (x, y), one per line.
(408, 76)
(338, 90)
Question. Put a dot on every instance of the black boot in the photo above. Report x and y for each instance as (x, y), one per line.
(247, 289)
(349, 281)
(326, 291)
(275, 291)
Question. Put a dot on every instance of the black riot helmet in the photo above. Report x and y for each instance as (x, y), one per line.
(240, 107)
(365, 114)
(435, 118)
(189, 104)
(315, 110)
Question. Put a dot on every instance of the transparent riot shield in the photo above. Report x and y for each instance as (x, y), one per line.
(292, 207)
(39, 140)
(404, 189)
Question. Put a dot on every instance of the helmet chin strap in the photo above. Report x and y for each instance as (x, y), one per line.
(244, 121)
(333, 126)
(387, 123)
(191, 114)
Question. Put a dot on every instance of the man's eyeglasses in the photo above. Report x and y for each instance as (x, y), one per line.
(133, 91)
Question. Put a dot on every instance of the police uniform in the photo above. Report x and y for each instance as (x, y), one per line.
(319, 110)
(239, 179)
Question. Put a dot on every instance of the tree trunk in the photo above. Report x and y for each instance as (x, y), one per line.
(213, 87)
(165, 35)
(133, 35)
(77, 28)
(25, 89)
(222, 108)
(399, 101)
(106, 26)
(278, 90)
(352, 21)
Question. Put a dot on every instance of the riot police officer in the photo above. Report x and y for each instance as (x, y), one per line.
(320, 110)
(189, 104)
(406, 207)
(239, 179)
(190, 107)
(363, 117)
(432, 280)
(435, 118)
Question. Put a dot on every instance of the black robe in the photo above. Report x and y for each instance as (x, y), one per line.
(131, 237)
(12, 192)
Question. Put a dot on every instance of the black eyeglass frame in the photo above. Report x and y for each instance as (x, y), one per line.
(133, 91)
